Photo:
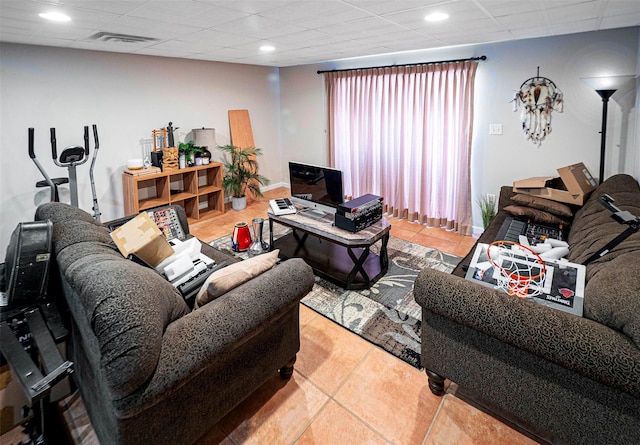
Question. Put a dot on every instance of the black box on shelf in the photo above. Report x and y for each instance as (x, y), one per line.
(156, 159)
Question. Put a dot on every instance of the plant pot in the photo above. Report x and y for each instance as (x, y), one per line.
(239, 203)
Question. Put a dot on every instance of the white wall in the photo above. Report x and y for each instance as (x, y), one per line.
(127, 96)
(499, 160)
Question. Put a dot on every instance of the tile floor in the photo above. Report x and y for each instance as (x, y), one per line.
(344, 389)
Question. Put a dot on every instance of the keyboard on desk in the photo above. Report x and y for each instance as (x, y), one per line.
(281, 206)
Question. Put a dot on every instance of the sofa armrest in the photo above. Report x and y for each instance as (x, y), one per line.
(582, 345)
(203, 337)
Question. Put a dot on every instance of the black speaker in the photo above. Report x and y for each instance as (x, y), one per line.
(156, 159)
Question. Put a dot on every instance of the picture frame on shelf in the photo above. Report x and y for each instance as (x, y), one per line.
(159, 139)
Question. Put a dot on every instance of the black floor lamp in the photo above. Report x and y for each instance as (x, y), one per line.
(605, 87)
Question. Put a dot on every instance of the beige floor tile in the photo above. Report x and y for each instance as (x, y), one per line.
(458, 423)
(438, 232)
(401, 233)
(461, 250)
(329, 353)
(390, 396)
(276, 413)
(405, 225)
(76, 420)
(306, 315)
(335, 425)
(444, 245)
(215, 436)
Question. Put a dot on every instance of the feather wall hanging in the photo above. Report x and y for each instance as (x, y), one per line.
(537, 97)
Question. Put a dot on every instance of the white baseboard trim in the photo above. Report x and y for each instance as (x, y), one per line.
(275, 186)
(265, 189)
(476, 231)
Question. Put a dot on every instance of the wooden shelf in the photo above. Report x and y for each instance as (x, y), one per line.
(197, 189)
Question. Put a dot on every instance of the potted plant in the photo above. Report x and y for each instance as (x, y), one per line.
(487, 205)
(241, 174)
(188, 149)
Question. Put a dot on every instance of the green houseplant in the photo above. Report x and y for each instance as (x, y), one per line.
(188, 149)
(241, 174)
(487, 205)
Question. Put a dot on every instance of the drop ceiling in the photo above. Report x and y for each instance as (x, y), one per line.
(301, 31)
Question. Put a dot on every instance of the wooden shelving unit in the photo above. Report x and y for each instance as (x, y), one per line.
(197, 189)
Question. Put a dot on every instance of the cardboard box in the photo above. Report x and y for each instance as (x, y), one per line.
(573, 186)
(141, 236)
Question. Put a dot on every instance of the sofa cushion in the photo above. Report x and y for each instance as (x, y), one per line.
(613, 295)
(593, 226)
(547, 205)
(612, 290)
(59, 212)
(128, 308)
(535, 214)
(70, 233)
(230, 277)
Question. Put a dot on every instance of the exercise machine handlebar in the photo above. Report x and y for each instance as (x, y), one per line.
(54, 151)
(96, 210)
(32, 155)
(86, 140)
(95, 137)
(73, 155)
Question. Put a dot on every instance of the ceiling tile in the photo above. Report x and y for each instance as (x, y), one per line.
(303, 31)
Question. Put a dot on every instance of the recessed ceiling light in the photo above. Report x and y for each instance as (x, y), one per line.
(55, 16)
(267, 48)
(436, 17)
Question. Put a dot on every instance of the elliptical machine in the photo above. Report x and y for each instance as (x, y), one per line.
(71, 157)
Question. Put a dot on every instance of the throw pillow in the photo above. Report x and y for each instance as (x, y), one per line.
(232, 276)
(547, 205)
(535, 214)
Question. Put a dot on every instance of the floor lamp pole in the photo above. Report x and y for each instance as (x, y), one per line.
(605, 95)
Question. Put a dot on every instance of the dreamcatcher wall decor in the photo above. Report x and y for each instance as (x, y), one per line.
(538, 97)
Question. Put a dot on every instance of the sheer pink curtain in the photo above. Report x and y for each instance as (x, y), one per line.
(404, 133)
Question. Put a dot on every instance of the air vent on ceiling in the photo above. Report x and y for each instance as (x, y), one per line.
(113, 37)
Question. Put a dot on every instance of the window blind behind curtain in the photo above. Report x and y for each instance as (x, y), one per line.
(405, 133)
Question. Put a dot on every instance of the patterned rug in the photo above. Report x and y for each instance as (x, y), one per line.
(386, 314)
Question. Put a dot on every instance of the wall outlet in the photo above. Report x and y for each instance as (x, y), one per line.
(495, 128)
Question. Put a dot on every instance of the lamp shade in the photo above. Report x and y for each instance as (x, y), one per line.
(607, 82)
(204, 137)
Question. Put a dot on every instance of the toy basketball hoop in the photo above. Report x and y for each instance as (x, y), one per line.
(520, 271)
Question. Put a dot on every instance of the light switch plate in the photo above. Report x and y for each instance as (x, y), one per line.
(495, 128)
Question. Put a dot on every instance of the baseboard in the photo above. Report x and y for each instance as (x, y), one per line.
(265, 189)
(274, 186)
(476, 231)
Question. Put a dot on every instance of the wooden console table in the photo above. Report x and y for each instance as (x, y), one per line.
(337, 255)
(197, 189)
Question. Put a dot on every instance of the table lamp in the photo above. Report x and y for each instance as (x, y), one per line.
(205, 138)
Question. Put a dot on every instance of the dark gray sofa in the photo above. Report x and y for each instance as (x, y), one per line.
(567, 379)
(149, 369)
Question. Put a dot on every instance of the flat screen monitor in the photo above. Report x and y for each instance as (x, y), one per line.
(318, 188)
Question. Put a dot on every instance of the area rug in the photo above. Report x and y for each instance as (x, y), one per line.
(386, 314)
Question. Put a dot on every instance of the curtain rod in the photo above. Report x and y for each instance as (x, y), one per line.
(405, 64)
